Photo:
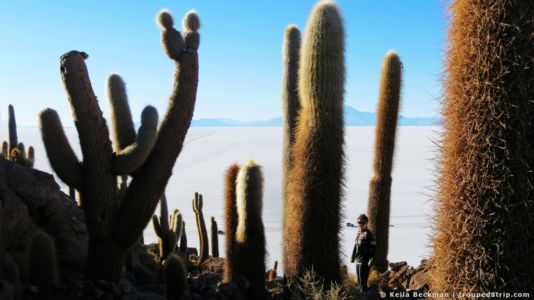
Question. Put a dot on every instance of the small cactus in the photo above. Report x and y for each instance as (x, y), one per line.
(5, 149)
(175, 277)
(273, 273)
(214, 238)
(42, 264)
(183, 240)
(249, 255)
(168, 229)
(201, 226)
(12, 124)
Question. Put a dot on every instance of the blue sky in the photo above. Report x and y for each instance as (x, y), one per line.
(240, 52)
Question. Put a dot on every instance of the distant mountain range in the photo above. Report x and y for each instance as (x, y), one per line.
(353, 117)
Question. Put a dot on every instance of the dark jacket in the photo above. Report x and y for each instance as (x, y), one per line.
(364, 247)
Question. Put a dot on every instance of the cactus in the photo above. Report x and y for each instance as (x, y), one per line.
(290, 107)
(483, 238)
(201, 227)
(272, 274)
(214, 238)
(380, 187)
(167, 229)
(116, 220)
(315, 187)
(42, 264)
(5, 149)
(183, 240)
(230, 221)
(175, 277)
(12, 125)
(249, 255)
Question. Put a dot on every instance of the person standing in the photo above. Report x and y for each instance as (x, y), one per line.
(363, 252)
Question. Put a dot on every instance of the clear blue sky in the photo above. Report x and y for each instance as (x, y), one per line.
(240, 52)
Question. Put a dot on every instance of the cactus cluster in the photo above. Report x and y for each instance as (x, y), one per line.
(167, 228)
(14, 150)
(116, 216)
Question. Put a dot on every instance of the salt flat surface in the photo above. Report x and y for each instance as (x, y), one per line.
(209, 151)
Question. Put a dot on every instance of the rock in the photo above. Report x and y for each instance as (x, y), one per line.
(419, 280)
(396, 266)
(213, 265)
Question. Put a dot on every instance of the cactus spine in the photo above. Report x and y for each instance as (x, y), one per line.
(115, 222)
(230, 221)
(201, 226)
(43, 271)
(249, 259)
(378, 208)
(290, 107)
(314, 191)
(175, 277)
(214, 238)
(168, 229)
(483, 238)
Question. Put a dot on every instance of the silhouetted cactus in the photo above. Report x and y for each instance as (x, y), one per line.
(315, 187)
(5, 149)
(168, 229)
(378, 208)
(12, 126)
(183, 240)
(230, 221)
(214, 238)
(273, 273)
(249, 255)
(175, 277)
(483, 238)
(114, 220)
(42, 264)
(201, 227)
(290, 108)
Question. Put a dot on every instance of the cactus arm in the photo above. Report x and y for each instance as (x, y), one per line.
(149, 183)
(132, 157)
(157, 226)
(121, 117)
(12, 125)
(60, 154)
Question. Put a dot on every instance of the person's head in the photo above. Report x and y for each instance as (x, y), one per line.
(362, 221)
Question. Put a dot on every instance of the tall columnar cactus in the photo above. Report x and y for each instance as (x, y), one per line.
(5, 149)
(290, 107)
(315, 187)
(42, 261)
(168, 229)
(175, 277)
(12, 126)
(378, 208)
(249, 255)
(214, 238)
(183, 240)
(115, 222)
(201, 227)
(483, 237)
(230, 221)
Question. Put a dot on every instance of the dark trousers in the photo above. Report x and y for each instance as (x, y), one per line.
(362, 271)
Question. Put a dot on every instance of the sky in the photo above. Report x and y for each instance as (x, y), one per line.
(240, 53)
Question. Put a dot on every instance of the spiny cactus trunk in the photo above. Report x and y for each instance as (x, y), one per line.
(483, 238)
(378, 209)
(249, 260)
(313, 207)
(201, 227)
(183, 240)
(12, 125)
(230, 221)
(214, 238)
(290, 107)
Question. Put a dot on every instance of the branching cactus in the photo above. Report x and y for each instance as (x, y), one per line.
(214, 238)
(230, 221)
(115, 221)
(484, 232)
(14, 150)
(42, 261)
(378, 208)
(314, 190)
(168, 229)
(249, 255)
(201, 227)
(290, 107)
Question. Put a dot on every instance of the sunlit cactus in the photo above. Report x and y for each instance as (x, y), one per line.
(201, 226)
(230, 221)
